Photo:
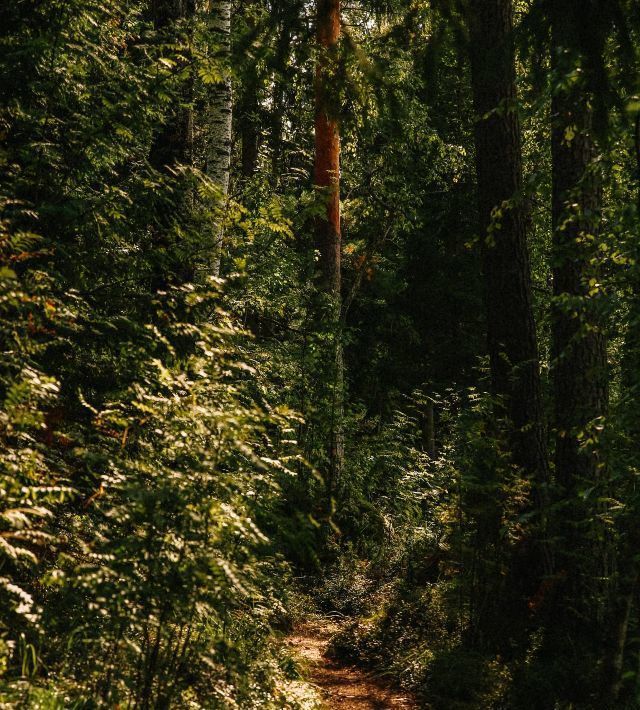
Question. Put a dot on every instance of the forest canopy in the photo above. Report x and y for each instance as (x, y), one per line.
(320, 324)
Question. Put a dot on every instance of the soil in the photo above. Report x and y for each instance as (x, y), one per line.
(340, 685)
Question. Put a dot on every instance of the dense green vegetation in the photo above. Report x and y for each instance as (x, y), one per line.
(309, 305)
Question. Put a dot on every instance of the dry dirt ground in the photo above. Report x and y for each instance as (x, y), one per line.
(341, 686)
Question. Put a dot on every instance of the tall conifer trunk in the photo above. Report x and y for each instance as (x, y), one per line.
(511, 332)
(249, 134)
(248, 105)
(511, 327)
(579, 352)
(626, 578)
(579, 345)
(174, 142)
(286, 16)
(327, 178)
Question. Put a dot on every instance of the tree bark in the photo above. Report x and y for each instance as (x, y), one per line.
(627, 570)
(579, 343)
(173, 144)
(429, 429)
(328, 235)
(249, 135)
(511, 330)
(247, 99)
(218, 157)
(287, 24)
(579, 359)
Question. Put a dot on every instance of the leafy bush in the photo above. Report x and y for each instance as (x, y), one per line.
(137, 450)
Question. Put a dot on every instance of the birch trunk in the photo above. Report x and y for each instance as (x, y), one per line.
(218, 158)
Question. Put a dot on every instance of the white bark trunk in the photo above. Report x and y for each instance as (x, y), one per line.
(220, 114)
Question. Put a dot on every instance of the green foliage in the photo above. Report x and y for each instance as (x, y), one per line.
(136, 447)
(163, 432)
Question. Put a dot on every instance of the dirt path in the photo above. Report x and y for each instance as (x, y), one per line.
(341, 686)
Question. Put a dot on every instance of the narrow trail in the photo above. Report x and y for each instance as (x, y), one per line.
(341, 686)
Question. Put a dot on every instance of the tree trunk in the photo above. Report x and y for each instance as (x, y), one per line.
(579, 352)
(287, 24)
(429, 429)
(173, 144)
(511, 327)
(511, 331)
(327, 178)
(627, 565)
(247, 99)
(249, 134)
(579, 344)
(220, 119)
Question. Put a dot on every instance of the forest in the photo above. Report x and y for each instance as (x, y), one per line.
(320, 354)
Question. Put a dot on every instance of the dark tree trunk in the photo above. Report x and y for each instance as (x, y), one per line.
(511, 327)
(511, 331)
(173, 143)
(247, 111)
(429, 429)
(249, 135)
(248, 102)
(579, 358)
(627, 568)
(579, 343)
(288, 16)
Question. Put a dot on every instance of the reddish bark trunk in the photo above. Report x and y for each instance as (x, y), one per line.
(327, 147)
(327, 178)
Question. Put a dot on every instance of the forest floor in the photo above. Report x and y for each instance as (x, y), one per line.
(341, 685)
